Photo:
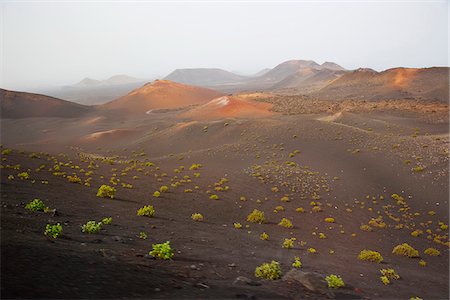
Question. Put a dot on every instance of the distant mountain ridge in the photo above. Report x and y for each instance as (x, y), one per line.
(113, 80)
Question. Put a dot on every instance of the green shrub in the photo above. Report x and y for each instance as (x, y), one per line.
(288, 243)
(162, 251)
(389, 274)
(36, 205)
(286, 223)
(329, 220)
(142, 235)
(53, 231)
(164, 189)
(432, 252)
(256, 216)
(23, 175)
(297, 262)
(107, 221)
(74, 179)
(237, 225)
(197, 217)
(156, 194)
(271, 271)
(147, 211)
(370, 255)
(106, 191)
(405, 250)
(334, 281)
(264, 236)
(91, 227)
(214, 197)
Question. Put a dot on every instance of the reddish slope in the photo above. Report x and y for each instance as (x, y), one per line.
(229, 107)
(26, 105)
(161, 94)
(427, 83)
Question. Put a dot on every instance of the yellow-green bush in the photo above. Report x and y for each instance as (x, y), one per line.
(147, 211)
(370, 255)
(256, 216)
(162, 251)
(297, 262)
(106, 191)
(164, 189)
(334, 281)
(36, 205)
(197, 217)
(286, 223)
(432, 252)
(329, 220)
(270, 271)
(405, 250)
(264, 236)
(288, 243)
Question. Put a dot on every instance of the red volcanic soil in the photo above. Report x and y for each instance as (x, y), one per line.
(160, 94)
(229, 107)
(26, 105)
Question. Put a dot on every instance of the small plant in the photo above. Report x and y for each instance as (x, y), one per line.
(91, 227)
(422, 263)
(286, 223)
(300, 210)
(162, 251)
(370, 255)
(214, 197)
(432, 252)
(53, 231)
(106, 191)
(197, 217)
(256, 216)
(297, 262)
(107, 221)
(23, 175)
(270, 271)
(405, 250)
(142, 235)
(264, 236)
(147, 211)
(74, 179)
(312, 250)
(164, 189)
(385, 280)
(288, 243)
(322, 235)
(36, 205)
(329, 220)
(237, 225)
(334, 281)
(156, 194)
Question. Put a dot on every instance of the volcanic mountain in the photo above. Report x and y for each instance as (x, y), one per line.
(396, 83)
(27, 105)
(160, 94)
(204, 76)
(228, 107)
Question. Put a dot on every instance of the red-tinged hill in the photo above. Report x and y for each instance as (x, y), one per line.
(229, 107)
(15, 105)
(426, 83)
(160, 94)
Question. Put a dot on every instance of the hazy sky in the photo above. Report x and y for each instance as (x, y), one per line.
(54, 43)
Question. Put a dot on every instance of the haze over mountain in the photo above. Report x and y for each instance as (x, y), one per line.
(204, 76)
(113, 80)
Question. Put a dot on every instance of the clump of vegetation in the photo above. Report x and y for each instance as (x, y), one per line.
(106, 191)
(91, 227)
(214, 197)
(432, 252)
(142, 235)
(162, 251)
(297, 262)
(286, 223)
(53, 231)
(405, 250)
(36, 205)
(147, 211)
(300, 210)
(312, 250)
(23, 175)
(264, 236)
(74, 179)
(156, 194)
(329, 220)
(197, 217)
(288, 243)
(387, 275)
(422, 263)
(164, 189)
(107, 221)
(256, 216)
(270, 271)
(370, 255)
(334, 281)
(365, 227)
(237, 225)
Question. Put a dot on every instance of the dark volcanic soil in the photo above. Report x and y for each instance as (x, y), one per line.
(349, 165)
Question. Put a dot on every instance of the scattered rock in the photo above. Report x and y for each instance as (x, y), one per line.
(245, 280)
(313, 281)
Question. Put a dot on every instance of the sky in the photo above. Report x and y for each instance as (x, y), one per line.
(50, 43)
